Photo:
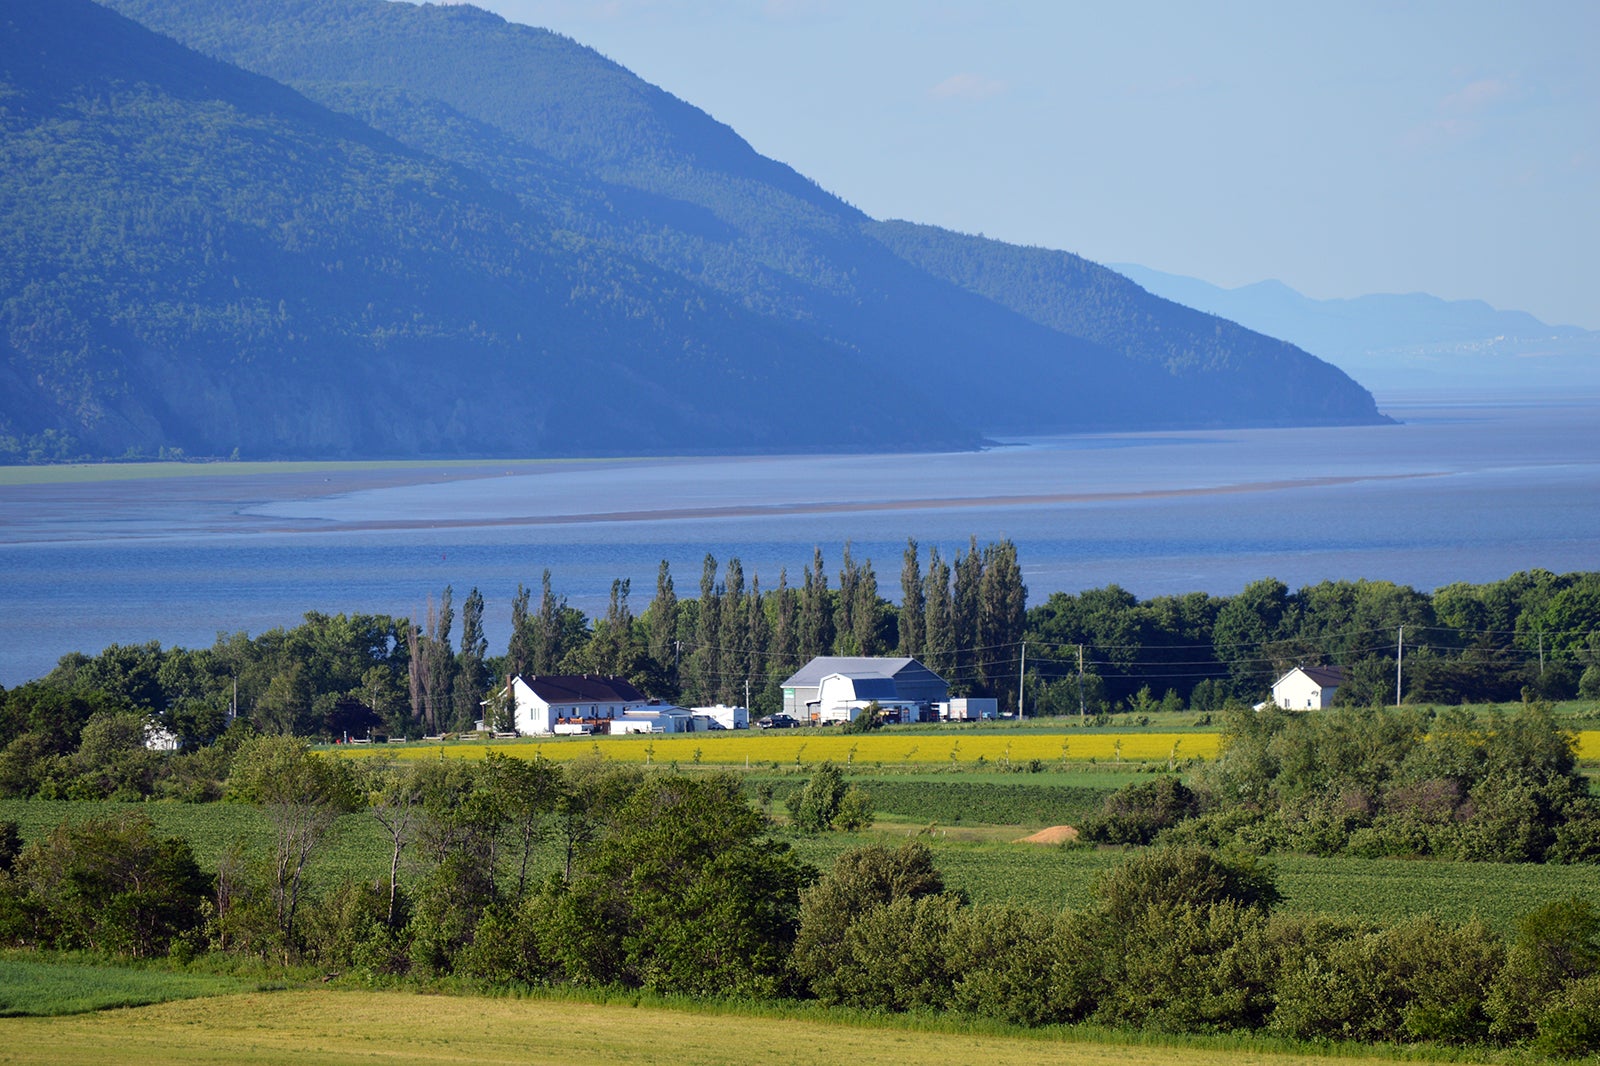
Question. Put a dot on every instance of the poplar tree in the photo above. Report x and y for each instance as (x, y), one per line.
(1003, 605)
(816, 618)
(472, 673)
(846, 640)
(663, 627)
(759, 636)
(912, 603)
(785, 655)
(864, 612)
(548, 643)
(705, 662)
(519, 651)
(939, 640)
(964, 612)
(733, 635)
(441, 661)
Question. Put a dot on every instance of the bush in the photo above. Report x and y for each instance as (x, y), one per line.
(1555, 944)
(1570, 1027)
(1138, 813)
(1003, 958)
(111, 885)
(860, 882)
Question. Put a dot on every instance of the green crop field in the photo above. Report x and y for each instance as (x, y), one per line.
(31, 987)
(990, 869)
(335, 1026)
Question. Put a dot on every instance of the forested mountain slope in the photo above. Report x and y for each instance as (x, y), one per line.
(1221, 364)
(482, 238)
(686, 192)
(197, 257)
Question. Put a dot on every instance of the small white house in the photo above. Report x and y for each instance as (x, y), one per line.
(158, 737)
(571, 703)
(722, 716)
(1307, 687)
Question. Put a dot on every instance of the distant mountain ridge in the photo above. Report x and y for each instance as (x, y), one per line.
(426, 231)
(1403, 341)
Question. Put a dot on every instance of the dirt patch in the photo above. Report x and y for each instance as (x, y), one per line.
(1056, 834)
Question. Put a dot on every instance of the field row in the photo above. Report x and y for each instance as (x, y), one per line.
(1048, 876)
(756, 748)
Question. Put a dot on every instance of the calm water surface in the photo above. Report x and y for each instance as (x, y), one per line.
(1454, 493)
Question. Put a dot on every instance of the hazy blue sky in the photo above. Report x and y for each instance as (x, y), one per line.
(1344, 148)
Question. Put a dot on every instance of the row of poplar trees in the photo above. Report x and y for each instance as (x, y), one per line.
(738, 641)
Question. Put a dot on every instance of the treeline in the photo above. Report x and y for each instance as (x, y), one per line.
(1374, 783)
(1533, 635)
(342, 675)
(513, 873)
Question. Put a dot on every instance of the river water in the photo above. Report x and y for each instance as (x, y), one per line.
(1453, 493)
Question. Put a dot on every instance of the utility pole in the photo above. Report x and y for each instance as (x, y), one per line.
(1022, 672)
(747, 693)
(1082, 711)
(1399, 663)
(1541, 653)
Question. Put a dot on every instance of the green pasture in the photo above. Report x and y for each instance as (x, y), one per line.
(29, 986)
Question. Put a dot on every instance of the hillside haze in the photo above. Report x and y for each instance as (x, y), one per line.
(1406, 341)
(357, 228)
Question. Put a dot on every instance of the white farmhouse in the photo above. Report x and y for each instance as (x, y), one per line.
(572, 703)
(1307, 687)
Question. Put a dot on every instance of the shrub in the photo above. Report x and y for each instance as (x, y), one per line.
(1570, 1026)
(1555, 944)
(860, 882)
(1138, 813)
(111, 885)
(1006, 960)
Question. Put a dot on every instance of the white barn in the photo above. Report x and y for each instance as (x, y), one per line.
(1307, 687)
(840, 697)
(908, 681)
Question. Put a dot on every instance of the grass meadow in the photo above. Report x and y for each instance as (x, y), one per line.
(32, 987)
(330, 1025)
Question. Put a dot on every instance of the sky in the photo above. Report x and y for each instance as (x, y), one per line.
(1344, 149)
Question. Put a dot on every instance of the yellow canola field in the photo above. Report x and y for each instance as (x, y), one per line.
(756, 748)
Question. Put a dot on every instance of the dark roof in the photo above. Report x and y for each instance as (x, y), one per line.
(1325, 676)
(872, 688)
(583, 688)
(858, 666)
